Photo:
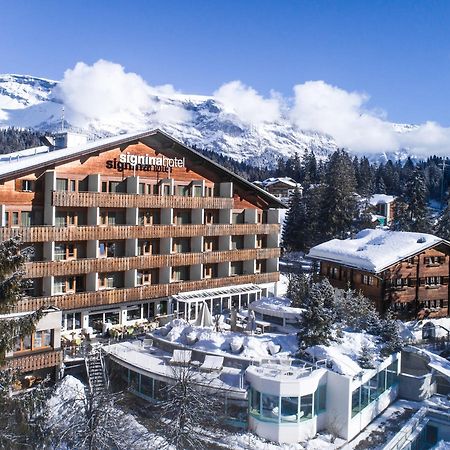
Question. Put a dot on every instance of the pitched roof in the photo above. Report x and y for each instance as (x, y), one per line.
(374, 250)
(155, 139)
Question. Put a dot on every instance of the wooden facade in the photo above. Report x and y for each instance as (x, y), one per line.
(107, 233)
(417, 286)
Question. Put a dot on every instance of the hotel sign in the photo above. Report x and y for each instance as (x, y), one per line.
(145, 163)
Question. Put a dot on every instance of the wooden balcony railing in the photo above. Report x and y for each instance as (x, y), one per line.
(119, 200)
(85, 233)
(115, 296)
(32, 362)
(80, 266)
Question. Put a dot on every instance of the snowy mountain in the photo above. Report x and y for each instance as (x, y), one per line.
(202, 121)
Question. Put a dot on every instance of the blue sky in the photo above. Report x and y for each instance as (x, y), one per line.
(397, 52)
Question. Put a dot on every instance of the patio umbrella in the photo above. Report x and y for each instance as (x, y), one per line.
(204, 319)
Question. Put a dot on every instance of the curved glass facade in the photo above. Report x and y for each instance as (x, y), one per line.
(274, 408)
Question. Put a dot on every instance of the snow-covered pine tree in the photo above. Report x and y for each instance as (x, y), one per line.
(298, 289)
(442, 228)
(416, 195)
(339, 205)
(390, 334)
(316, 322)
(12, 285)
(366, 358)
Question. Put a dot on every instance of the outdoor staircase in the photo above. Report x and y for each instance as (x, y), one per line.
(96, 372)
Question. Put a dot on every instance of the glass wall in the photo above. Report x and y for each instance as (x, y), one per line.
(368, 392)
(272, 408)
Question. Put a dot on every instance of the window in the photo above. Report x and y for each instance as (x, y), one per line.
(289, 409)
(150, 247)
(73, 321)
(25, 218)
(236, 268)
(260, 266)
(181, 217)
(237, 242)
(149, 217)
(210, 271)
(210, 244)
(368, 280)
(434, 260)
(66, 219)
(433, 281)
(209, 191)
(146, 277)
(306, 403)
(107, 250)
(260, 241)
(27, 185)
(197, 190)
(65, 251)
(181, 245)
(39, 340)
(183, 191)
(180, 273)
(116, 186)
(270, 407)
(166, 189)
(211, 217)
(237, 217)
(104, 186)
(334, 273)
(320, 399)
(107, 281)
(64, 285)
(62, 184)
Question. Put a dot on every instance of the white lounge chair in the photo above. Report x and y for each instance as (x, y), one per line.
(212, 363)
(181, 357)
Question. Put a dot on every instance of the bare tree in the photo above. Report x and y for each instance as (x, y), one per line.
(191, 407)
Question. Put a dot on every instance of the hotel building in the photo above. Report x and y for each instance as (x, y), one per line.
(122, 225)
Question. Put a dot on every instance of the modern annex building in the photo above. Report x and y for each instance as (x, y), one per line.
(123, 225)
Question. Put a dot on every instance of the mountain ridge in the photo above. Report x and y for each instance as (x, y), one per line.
(34, 102)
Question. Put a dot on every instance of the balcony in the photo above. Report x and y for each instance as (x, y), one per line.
(36, 361)
(80, 266)
(115, 296)
(85, 233)
(118, 200)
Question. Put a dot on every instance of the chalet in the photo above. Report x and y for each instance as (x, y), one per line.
(281, 188)
(383, 208)
(122, 225)
(406, 271)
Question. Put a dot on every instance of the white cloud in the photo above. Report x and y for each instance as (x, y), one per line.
(249, 106)
(328, 109)
(106, 92)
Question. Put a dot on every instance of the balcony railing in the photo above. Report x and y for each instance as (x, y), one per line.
(123, 295)
(85, 233)
(32, 362)
(120, 200)
(80, 266)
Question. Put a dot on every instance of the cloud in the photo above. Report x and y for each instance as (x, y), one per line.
(249, 106)
(328, 109)
(104, 91)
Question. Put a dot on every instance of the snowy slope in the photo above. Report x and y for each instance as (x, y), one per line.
(203, 121)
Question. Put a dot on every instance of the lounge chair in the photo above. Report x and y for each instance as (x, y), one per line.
(212, 363)
(181, 357)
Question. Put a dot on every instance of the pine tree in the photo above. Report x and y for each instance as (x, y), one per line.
(293, 222)
(416, 196)
(12, 285)
(442, 228)
(339, 206)
(298, 289)
(366, 358)
(390, 335)
(316, 322)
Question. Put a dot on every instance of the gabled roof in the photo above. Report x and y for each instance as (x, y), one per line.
(155, 139)
(375, 250)
(377, 199)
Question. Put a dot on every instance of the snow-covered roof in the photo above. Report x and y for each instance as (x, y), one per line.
(274, 180)
(374, 250)
(376, 199)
